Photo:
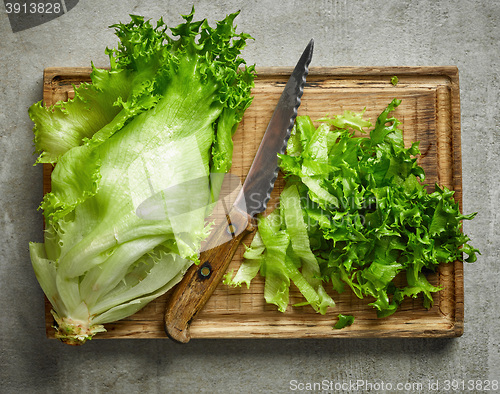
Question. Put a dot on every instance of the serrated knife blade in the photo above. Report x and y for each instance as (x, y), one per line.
(200, 281)
(259, 182)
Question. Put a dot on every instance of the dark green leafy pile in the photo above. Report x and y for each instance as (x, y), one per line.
(367, 215)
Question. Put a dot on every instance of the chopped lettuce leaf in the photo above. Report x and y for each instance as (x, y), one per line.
(281, 252)
(300, 246)
(357, 214)
(344, 321)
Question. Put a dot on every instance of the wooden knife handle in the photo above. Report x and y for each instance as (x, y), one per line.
(192, 292)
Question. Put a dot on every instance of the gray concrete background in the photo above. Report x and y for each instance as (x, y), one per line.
(347, 33)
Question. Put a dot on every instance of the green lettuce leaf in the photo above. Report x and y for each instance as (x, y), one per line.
(152, 129)
(344, 321)
(358, 215)
(281, 252)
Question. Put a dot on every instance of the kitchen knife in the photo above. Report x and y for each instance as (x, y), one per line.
(199, 282)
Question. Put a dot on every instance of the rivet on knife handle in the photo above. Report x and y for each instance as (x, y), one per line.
(199, 282)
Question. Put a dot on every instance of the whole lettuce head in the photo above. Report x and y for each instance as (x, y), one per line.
(153, 127)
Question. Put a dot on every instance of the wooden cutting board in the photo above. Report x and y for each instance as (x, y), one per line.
(430, 113)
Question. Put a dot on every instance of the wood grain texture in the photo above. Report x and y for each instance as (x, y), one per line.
(430, 113)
